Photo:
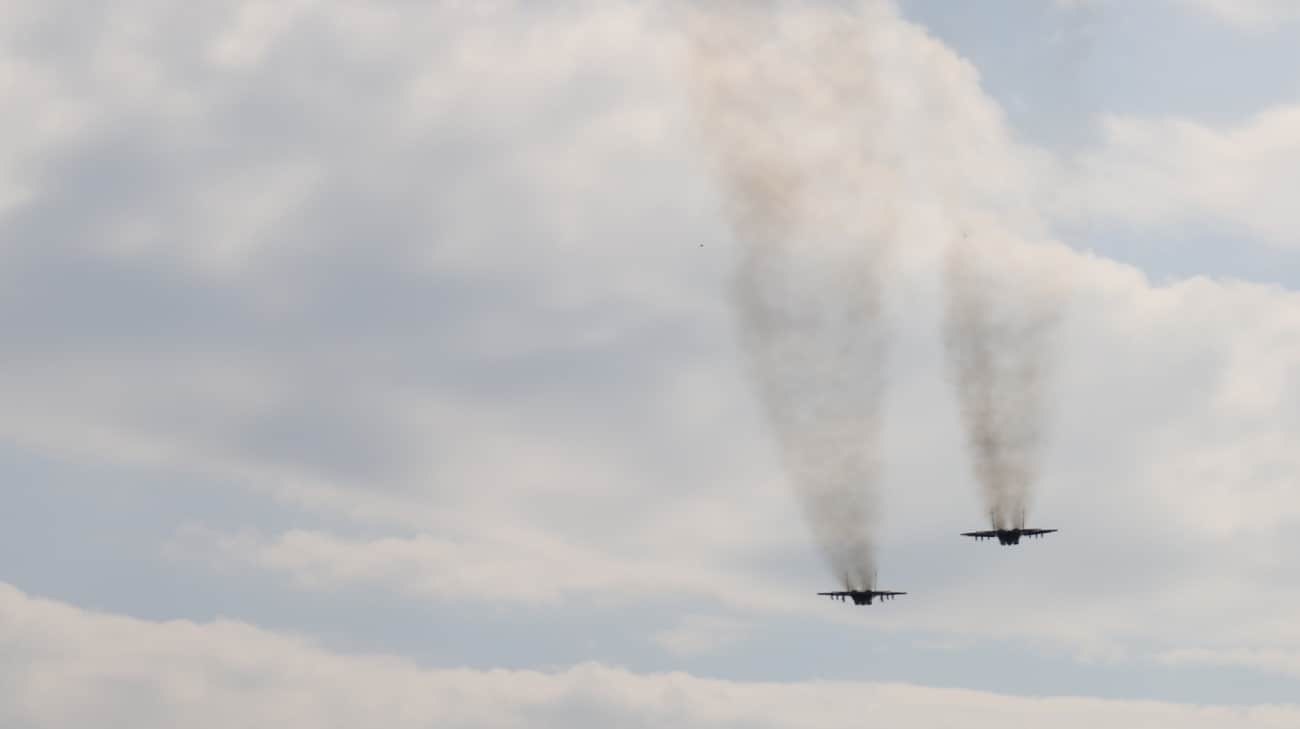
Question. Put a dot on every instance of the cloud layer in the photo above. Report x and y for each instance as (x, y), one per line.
(70, 668)
(1163, 173)
(454, 313)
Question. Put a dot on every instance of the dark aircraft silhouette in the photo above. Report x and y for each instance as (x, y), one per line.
(861, 597)
(1009, 536)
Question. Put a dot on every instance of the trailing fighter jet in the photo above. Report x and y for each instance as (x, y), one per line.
(862, 597)
(1009, 536)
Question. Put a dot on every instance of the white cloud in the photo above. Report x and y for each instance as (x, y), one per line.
(65, 667)
(1276, 661)
(1162, 172)
(387, 275)
(513, 564)
(1253, 15)
(1183, 388)
(697, 635)
(424, 194)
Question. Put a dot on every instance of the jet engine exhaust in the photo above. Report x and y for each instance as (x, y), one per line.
(1003, 311)
(785, 96)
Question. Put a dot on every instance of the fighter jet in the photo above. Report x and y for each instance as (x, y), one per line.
(861, 597)
(1009, 536)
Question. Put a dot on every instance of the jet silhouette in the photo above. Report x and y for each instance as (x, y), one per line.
(1008, 536)
(861, 597)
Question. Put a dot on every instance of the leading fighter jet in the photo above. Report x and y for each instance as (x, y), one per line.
(1009, 536)
(862, 597)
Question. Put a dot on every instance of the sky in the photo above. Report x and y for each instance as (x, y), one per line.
(374, 364)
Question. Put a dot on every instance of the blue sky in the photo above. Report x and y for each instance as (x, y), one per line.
(376, 363)
(1054, 69)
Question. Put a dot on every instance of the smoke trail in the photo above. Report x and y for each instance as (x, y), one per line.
(999, 331)
(786, 98)
(1004, 304)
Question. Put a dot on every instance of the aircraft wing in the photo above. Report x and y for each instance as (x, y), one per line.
(1036, 532)
(836, 594)
(980, 535)
(888, 594)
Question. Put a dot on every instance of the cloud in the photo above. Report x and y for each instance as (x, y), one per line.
(350, 258)
(67, 667)
(1183, 388)
(514, 564)
(698, 635)
(335, 247)
(1275, 661)
(1171, 172)
(1252, 15)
